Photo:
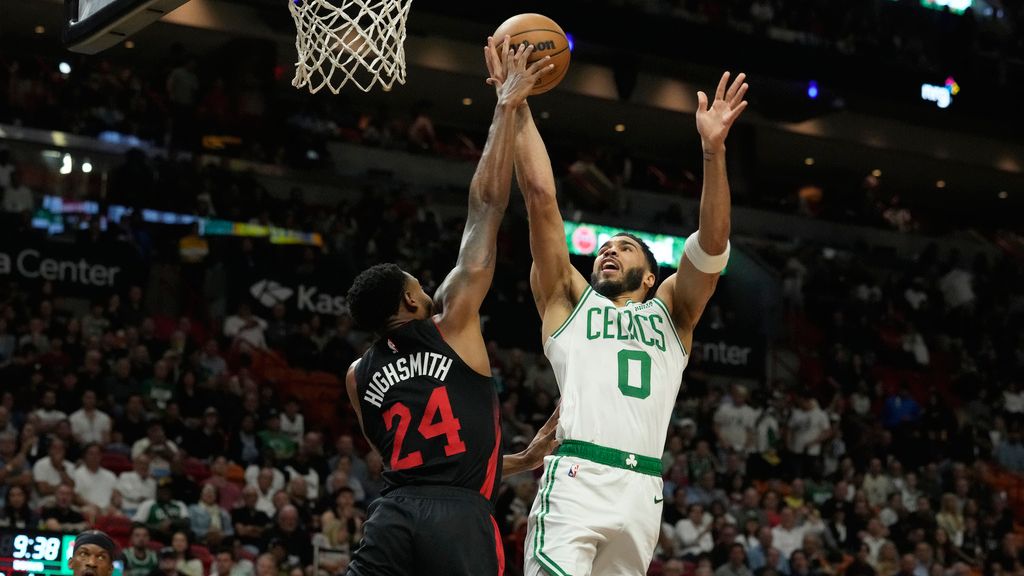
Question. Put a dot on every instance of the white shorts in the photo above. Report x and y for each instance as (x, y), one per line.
(590, 518)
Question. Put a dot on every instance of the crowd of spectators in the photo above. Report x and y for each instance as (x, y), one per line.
(876, 461)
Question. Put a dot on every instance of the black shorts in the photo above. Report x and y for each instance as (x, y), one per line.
(429, 530)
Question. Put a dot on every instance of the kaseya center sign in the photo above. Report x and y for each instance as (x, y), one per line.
(78, 271)
(302, 297)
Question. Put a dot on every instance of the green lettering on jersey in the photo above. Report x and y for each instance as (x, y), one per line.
(656, 319)
(609, 319)
(592, 332)
(628, 317)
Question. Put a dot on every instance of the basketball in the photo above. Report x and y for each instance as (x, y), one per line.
(547, 39)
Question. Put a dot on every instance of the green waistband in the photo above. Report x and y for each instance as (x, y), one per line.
(611, 457)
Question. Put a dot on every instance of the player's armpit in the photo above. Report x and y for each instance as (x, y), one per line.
(353, 396)
(686, 293)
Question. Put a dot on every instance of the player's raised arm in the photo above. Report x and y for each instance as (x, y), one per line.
(707, 250)
(462, 292)
(552, 278)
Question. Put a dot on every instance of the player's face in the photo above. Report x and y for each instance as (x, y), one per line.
(91, 560)
(413, 289)
(620, 267)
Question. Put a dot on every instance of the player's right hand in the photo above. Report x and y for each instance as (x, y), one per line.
(511, 73)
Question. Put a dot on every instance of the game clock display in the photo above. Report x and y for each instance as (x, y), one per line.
(34, 552)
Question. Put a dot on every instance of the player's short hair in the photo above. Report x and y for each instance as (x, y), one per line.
(652, 262)
(375, 296)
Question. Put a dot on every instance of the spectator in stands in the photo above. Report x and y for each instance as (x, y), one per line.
(335, 544)
(90, 424)
(693, 534)
(245, 446)
(210, 523)
(291, 535)
(186, 562)
(209, 440)
(229, 493)
(345, 446)
(61, 516)
(17, 512)
(373, 484)
(246, 329)
(734, 422)
(14, 466)
(167, 564)
(211, 361)
(94, 485)
(120, 384)
(292, 422)
(160, 450)
(266, 484)
(1010, 452)
(788, 536)
(136, 485)
(139, 558)
(226, 563)
(132, 425)
(52, 471)
(279, 444)
(737, 564)
(809, 428)
(250, 522)
(877, 484)
(163, 515)
(266, 565)
(158, 389)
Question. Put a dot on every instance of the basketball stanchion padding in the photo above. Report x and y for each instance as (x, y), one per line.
(349, 41)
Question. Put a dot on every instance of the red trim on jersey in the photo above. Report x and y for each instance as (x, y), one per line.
(438, 326)
(499, 547)
(492, 462)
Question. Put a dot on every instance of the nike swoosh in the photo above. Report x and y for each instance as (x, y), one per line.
(659, 500)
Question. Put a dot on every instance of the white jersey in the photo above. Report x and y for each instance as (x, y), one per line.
(619, 372)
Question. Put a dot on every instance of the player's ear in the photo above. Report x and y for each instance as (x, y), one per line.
(409, 301)
(649, 280)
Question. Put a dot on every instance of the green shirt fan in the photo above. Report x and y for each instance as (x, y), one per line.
(343, 41)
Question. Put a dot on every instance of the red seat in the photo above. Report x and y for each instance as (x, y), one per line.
(196, 470)
(116, 462)
(119, 528)
(202, 553)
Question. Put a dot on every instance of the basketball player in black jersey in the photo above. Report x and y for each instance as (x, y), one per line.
(424, 393)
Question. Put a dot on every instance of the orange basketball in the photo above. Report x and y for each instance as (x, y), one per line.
(547, 39)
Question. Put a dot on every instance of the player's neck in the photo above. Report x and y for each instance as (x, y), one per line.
(625, 298)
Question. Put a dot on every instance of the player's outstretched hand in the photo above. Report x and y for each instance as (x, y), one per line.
(713, 122)
(544, 443)
(511, 73)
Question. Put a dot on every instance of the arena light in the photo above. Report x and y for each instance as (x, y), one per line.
(620, 127)
(87, 167)
(467, 101)
(812, 90)
(808, 161)
(40, 29)
(67, 165)
(955, 6)
(64, 68)
(1003, 195)
(876, 173)
(940, 183)
(941, 95)
(572, 41)
(129, 44)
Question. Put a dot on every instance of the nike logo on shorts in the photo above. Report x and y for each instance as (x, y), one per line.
(659, 500)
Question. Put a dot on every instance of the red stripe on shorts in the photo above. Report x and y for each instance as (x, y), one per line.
(499, 548)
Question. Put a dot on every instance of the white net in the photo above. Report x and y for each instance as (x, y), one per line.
(343, 41)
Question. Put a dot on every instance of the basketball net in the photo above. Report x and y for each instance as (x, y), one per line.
(342, 41)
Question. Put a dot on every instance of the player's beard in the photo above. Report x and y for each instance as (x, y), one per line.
(631, 280)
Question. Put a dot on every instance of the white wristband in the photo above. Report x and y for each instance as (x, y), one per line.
(703, 261)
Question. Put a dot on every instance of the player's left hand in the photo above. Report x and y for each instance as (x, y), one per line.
(713, 122)
(544, 443)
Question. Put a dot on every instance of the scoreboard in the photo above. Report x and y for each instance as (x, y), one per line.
(38, 553)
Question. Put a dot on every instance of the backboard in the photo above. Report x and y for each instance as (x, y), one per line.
(91, 26)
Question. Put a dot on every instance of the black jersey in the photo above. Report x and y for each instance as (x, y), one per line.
(434, 419)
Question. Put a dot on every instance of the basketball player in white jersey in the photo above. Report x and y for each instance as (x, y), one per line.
(618, 348)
